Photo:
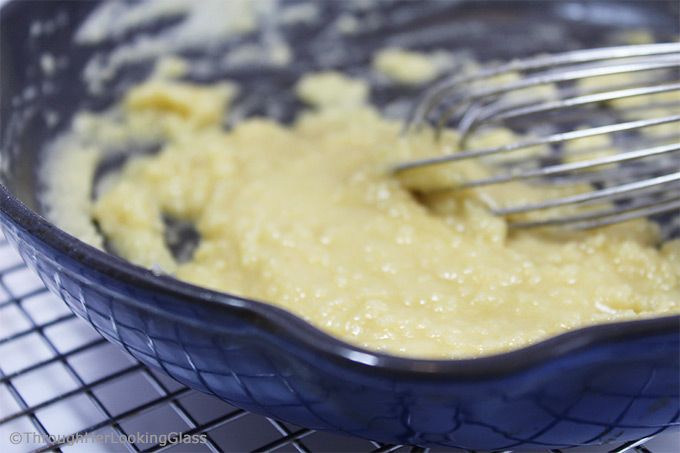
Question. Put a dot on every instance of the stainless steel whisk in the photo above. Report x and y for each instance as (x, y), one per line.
(647, 179)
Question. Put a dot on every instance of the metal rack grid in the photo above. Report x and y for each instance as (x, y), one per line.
(59, 377)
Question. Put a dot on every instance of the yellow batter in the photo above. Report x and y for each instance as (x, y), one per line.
(405, 67)
(309, 218)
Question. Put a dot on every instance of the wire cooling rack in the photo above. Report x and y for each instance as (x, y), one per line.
(59, 378)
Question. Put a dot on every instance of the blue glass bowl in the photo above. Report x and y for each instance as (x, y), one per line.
(607, 383)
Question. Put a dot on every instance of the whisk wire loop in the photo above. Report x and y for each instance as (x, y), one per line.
(481, 102)
(433, 96)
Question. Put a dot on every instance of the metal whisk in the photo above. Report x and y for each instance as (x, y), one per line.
(646, 180)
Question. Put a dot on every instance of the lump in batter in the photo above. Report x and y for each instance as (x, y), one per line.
(331, 89)
(405, 67)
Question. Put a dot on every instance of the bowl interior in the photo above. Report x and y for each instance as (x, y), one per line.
(38, 104)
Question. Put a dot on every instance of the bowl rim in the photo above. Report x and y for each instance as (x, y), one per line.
(295, 330)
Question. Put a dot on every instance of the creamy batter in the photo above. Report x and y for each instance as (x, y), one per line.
(309, 218)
